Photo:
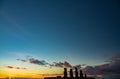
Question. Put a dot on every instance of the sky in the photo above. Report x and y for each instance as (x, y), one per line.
(41, 37)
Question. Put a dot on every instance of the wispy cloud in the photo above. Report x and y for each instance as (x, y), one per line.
(22, 60)
(60, 64)
(33, 61)
(14, 67)
(9, 66)
(38, 62)
(110, 68)
(45, 63)
(64, 64)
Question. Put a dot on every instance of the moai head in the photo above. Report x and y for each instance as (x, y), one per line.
(65, 69)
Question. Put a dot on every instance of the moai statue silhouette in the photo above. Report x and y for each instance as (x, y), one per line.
(81, 74)
(76, 72)
(71, 73)
(85, 76)
(65, 73)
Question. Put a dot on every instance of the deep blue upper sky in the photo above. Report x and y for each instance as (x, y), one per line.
(60, 28)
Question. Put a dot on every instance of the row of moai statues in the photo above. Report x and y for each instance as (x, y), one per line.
(76, 74)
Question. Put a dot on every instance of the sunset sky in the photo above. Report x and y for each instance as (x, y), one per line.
(40, 37)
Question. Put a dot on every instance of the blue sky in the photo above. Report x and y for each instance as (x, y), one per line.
(81, 32)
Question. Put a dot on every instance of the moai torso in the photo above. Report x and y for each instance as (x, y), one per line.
(65, 73)
(76, 73)
(71, 73)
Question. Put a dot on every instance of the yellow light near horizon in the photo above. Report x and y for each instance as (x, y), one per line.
(30, 73)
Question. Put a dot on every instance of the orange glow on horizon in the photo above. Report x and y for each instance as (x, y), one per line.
(30, 73)
(28, 76)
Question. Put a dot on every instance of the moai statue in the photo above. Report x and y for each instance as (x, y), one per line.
(71, 73)
(85, 76)
(81, 74)
(76, 72)
(65, 73)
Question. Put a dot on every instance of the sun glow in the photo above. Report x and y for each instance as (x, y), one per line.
(38, 72)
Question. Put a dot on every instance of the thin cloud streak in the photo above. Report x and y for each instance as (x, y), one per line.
(22, 60)
(33, 61)
(14, 67)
